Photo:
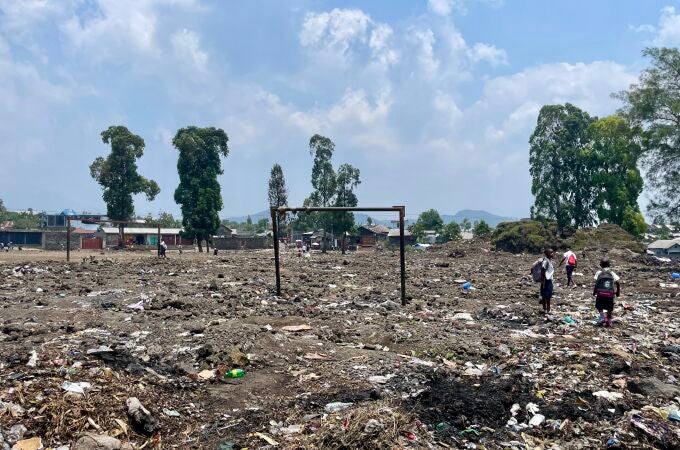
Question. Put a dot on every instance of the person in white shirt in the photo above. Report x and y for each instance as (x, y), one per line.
(570, 258)
(547, 273)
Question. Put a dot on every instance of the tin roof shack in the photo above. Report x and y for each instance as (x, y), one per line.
(393, 237)
(370, 235)
(667, 248)
(144, 237)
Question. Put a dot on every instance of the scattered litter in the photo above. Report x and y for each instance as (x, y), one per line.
(294, 328)
(611, 396)
(77, 388)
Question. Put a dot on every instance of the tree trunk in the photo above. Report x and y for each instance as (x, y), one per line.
(207, 245)
(200, 244)
(323, 242)
(343, 243)
(121, 236)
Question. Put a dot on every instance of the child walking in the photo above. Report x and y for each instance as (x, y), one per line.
(604, 292)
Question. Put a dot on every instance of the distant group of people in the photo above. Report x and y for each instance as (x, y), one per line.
(605, 289)
(6, 248)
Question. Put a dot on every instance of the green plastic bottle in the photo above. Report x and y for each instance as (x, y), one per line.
(235, 373)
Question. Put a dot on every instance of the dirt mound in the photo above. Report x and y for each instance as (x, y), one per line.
(605, 237)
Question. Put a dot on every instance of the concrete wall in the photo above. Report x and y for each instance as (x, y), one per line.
(250, 243)
(56, 240)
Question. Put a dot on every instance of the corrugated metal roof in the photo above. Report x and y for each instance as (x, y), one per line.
(664, 243)
(136, 230)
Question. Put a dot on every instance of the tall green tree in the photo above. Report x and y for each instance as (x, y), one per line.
(3, 211)
(614, 152)
(347, 180)
(466, 225)
(481, 229)
(654, 105)
(560, 174)
(452, 231)
(198, 193)
(277, 194)
(117, 174)
(167, 220)
(427, 220)
(330, 188)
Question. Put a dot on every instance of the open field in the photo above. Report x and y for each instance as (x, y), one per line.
(445, 370)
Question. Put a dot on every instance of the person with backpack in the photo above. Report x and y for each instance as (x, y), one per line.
(605, 281)
(570, 258)
(542, 272)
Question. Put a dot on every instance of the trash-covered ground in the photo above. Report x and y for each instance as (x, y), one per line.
(128, 351)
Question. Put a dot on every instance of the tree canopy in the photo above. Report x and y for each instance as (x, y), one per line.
(330, 188)
(117, 173)
(452, 231)
(653, 104)
(198, 165)
(427, 220)
(584, 170)
(277, 194)
(481, 229)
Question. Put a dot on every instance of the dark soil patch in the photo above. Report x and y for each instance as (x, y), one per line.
(460, 404)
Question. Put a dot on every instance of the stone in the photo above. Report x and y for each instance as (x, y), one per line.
(140, 417)
(92, 441)
(653, 387)
(238, 358)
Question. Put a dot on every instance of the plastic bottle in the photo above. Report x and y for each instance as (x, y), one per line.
(675, 276)
(235, 373)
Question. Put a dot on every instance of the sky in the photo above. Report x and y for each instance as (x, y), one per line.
(433, 100)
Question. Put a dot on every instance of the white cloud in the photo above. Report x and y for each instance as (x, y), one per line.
(667, 31)
(489, 53)
(187, 47)
(336, 30)
(440, 7)
(424, 41)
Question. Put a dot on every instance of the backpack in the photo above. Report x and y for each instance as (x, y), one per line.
(572, 260)
(604, 285)
(536, 271)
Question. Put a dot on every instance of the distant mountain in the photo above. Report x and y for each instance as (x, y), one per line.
(472, 215)
(361, 218)
(254, 217)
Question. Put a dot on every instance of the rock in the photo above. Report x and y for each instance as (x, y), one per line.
(238, 358)
(92, 441)
(336, 407)
(463, 316)
(653, 387)
(34, 443)
(441, 264)
(15, 434)
(140, 417)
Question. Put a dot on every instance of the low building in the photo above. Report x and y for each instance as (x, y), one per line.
(665, 248)
(393, 237)
(369, 236)
(144, 237)
(22, 238)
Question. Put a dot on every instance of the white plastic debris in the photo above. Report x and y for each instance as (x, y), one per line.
(33, 360)
(611, 396)
(78, 388)
(537, 420)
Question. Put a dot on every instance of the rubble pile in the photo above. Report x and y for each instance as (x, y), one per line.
(125, 351)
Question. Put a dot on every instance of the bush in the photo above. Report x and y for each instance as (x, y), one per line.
(522, 236)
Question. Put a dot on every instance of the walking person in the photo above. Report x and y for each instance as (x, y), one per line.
(547, 273)
(605, 282)
(570, 258)
(164, 247)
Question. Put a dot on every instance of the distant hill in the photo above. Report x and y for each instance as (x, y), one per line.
(254, 217)
(472, 215)
(361, 218)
